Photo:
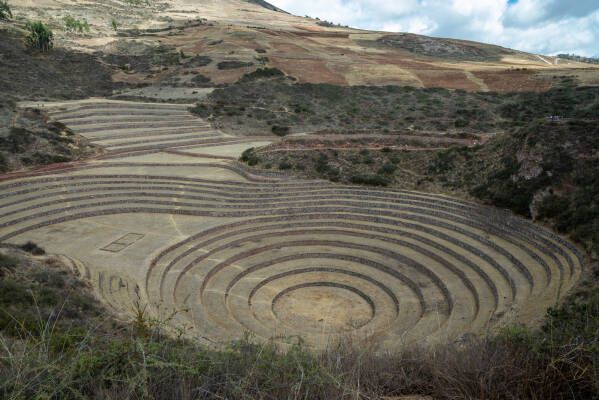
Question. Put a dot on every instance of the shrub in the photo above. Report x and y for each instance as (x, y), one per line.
(5, 12)
(283, 165)
(372, 180)
(201, 80)
(33, 248)
(280, 130)
(7, 264)
(3, 166)
(461, 123)
(250, 157)
(40, 37)
(75, 25)
(368, 159)
(261, 73)
(114, 24)
(202, 110)
(387, 168)
(233, 64)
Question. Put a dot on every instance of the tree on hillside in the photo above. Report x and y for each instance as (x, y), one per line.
(40, 37)
(75, 25)
(4, 10)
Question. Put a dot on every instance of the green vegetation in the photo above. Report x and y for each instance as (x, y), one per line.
(5, 12)
(387, 168)
(223, 65)
(249, 156)
(388, 110)
(280, 130)
(33, 248)
(574, 57)
(543, 170)
(75, 25)
(200, 80)
(437, 48)
(262, 73)
(38, 296)
(37, 148)
(40, 37)
(372, 180)
(34, 140)
(138, 2)
(539, 169)
(327, 24)
(114, 24)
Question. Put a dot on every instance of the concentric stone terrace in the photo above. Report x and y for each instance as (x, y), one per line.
(241, 250)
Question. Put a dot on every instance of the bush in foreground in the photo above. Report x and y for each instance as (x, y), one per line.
(79, 364)
(5, 12)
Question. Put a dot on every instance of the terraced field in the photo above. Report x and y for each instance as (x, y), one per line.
(168, 218)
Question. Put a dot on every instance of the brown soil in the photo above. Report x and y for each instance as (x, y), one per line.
(314, 71)
(446, 79)
(512, 81)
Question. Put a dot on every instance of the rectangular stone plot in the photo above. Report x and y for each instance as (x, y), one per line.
(123, 242)
(130, 238)
(114, 247)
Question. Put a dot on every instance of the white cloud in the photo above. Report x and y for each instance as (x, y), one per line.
(540, 26)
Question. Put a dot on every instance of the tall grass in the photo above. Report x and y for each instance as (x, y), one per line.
(65, 365)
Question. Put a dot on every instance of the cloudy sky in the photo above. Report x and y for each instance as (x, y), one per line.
(541, 26)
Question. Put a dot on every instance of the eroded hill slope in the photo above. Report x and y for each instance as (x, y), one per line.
(234, 37)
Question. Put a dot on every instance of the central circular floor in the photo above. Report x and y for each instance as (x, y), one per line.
(323, 307)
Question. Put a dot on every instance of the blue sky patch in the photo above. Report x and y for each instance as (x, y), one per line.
(538, 26)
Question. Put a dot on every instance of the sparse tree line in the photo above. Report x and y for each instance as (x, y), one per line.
(575, 57)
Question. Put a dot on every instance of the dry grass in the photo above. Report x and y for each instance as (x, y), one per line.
(160, 368)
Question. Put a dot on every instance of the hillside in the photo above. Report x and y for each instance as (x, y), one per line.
(223, 40)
